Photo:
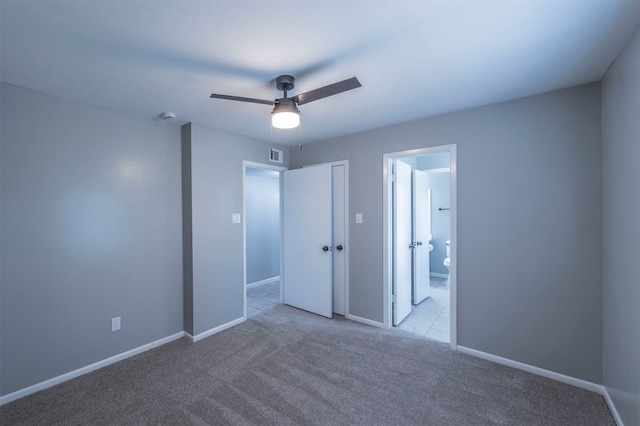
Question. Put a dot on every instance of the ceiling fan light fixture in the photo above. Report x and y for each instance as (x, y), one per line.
(285, 115)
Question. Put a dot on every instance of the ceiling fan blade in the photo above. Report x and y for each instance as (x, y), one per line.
(330, 90)
(241, 99)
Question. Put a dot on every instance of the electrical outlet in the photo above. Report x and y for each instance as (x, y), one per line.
(115, 324)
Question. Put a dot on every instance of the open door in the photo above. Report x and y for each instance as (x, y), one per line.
(403, 247)
(421, 235)
(307, 239)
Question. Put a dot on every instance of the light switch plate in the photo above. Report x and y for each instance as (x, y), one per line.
(358, 217)
(115, 324)
(235, 218)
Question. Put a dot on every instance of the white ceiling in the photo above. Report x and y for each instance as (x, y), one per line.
(414, 58)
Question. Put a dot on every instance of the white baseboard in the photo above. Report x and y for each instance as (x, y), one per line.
(364, 321)
(438, 274)
(87, 369)
(612, 406)
(263, 282)
(593, 387)
(215, 330)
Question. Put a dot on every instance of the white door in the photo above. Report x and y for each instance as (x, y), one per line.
(421, 232)
(403, 247)
(307, 259)
(339, 203)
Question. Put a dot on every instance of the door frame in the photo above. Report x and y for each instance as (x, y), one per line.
(347, 246)
(387, 240)
(255, 165)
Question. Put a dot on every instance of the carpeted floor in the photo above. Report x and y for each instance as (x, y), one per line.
(286, 367)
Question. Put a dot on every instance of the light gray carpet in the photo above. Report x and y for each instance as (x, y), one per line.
(286, 366)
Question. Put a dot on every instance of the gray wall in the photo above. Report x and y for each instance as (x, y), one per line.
(215, 160)
(262, 209)
(529, 172)
(440, 184)
(91, 230)
(621, 211)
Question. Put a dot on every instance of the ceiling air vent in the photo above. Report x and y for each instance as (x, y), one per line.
(275, 155)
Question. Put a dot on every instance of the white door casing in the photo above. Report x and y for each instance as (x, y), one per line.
(421, 232)
(402, 242)
(339, 203)
(307, 229)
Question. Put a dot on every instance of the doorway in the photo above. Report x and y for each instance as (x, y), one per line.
(262, 237)
(402, 242)
(267, 289)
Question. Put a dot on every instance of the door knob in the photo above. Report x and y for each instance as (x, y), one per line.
(339, 247)
(325, 248)
(419, 243)
(412, 246)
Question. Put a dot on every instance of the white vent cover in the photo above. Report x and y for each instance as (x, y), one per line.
(275, 155)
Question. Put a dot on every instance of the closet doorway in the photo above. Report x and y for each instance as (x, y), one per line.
(412, 242)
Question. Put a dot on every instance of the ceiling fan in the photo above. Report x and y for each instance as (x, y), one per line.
(285, 114)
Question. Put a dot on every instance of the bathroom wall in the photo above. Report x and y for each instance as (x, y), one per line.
(262, 224)
(433, 161)
(440, 184)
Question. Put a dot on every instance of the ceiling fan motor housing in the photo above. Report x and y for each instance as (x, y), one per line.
(285, 82)
(285, 105)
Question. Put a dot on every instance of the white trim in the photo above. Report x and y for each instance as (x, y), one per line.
(387, 226)
(386, 233)
(534, 370)
(583, 384)
(331, 163)
(438, 275)
(453, 248)
(87, 369)
(347, 246)
(612, 406)
(215, 330)
(365, 321)
(263, 282)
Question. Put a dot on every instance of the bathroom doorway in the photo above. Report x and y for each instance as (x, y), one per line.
(434, 316)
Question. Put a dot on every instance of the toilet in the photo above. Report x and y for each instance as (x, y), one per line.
(447, 260)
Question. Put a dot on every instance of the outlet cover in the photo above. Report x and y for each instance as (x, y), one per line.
(115, 324)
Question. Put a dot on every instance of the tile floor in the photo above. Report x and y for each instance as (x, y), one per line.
(262, 297)
(431, 317)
